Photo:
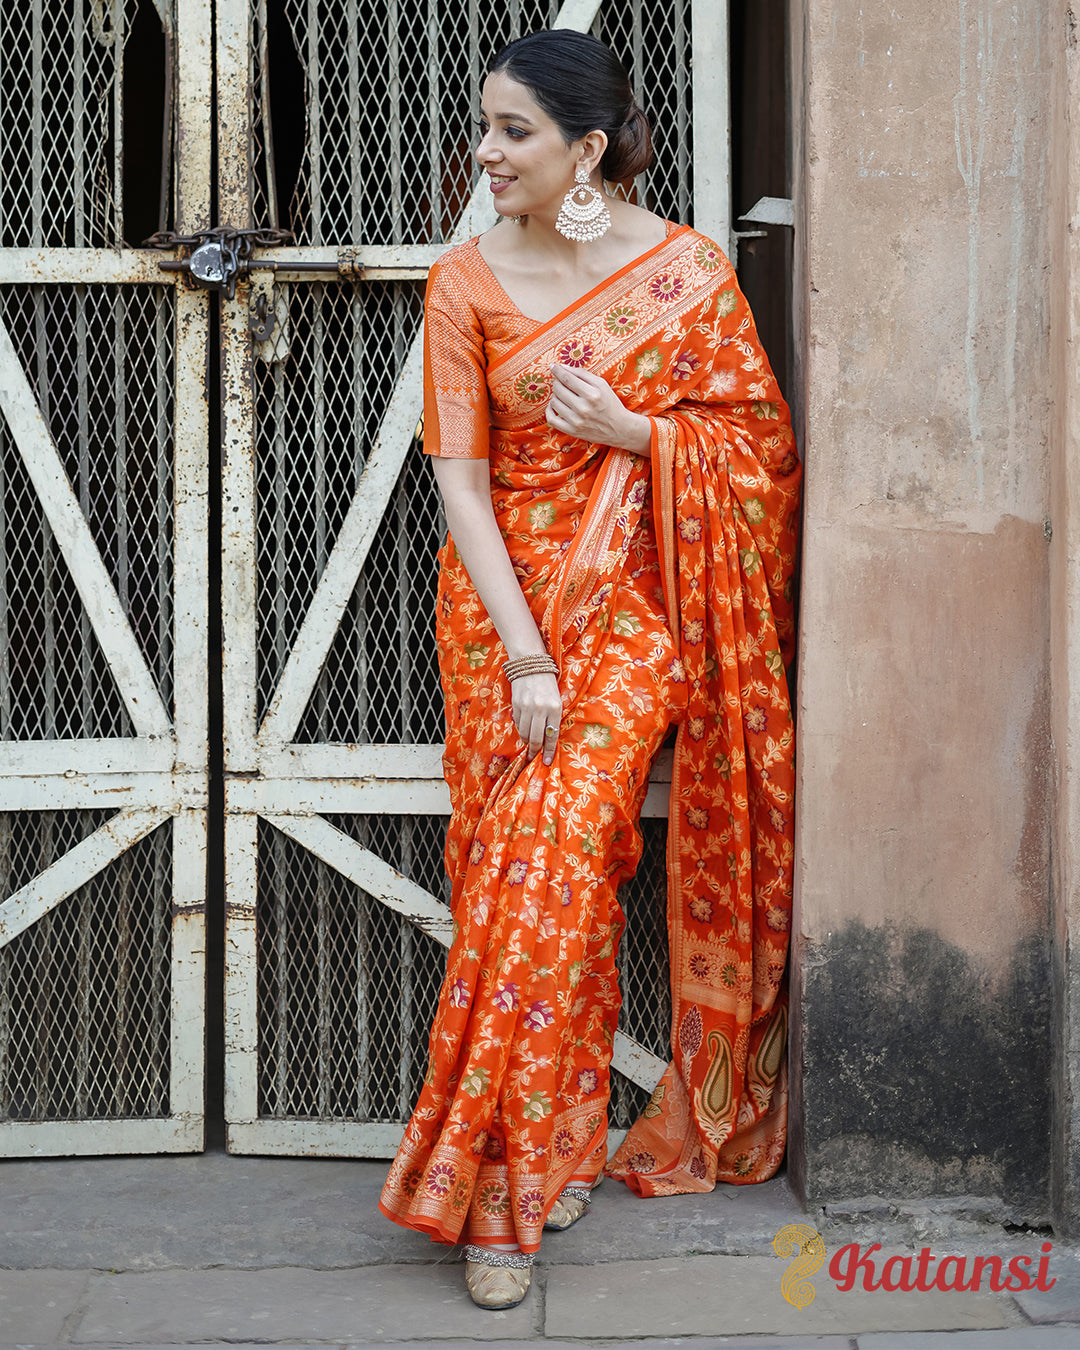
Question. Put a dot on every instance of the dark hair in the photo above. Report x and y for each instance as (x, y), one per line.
(583, 86)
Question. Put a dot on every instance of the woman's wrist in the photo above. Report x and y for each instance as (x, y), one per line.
(638, 435)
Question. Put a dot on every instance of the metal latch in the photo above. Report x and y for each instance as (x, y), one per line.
(218, 256)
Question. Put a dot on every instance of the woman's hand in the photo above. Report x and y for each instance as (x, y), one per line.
(537, 710)
(585, 405)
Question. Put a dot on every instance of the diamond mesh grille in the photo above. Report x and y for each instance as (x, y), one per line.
(84, 992)
(60, 151)
(347, 988)
(391, 92)
(100, 362)
(380, 682)
(317, 417)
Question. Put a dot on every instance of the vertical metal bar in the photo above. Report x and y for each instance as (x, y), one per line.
(474, 59)
(187, 1026)
(5, 954)
(637, 43)
(160, 904)
(355, 148)
(84, 1019)
(241, 989)
(118, 118)
(363, 1010)
(37, 133)
(78, 143)
(42, 960)
(5, 636)
(711, 108)
(321, 300)
(120, 303)
(163, 325)
(86, 632)
(281, 970)
(394, 119)
(434, 122)
(683, 131)
(279, 505)
(515, 18)
(401, 504)
(121, 891)
(407, 954)
(360, 375)
(314, 114)
(323, 992)
(265, 117)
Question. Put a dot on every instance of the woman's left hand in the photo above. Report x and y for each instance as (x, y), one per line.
(585, 405)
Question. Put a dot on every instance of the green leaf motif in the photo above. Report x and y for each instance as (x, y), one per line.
(750, 559)
(596, 735)
(537, 1107)
(774, 663)
(726, 303)
(476, 1082)
(626, 625)
(542, 515)
(754, 510)
(475, 654)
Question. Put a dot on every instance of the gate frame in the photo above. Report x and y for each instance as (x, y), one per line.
(161, 772)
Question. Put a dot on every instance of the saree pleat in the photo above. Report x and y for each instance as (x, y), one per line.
(607, 546)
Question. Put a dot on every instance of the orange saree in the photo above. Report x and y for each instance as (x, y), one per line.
(608, 545)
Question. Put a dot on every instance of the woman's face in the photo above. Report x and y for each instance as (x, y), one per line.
(528, 163)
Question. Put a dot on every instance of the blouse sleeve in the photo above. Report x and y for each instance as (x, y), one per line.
(456, 411)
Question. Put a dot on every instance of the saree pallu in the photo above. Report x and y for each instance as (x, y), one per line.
(607, 545)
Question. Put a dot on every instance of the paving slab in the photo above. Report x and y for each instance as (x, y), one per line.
(217, 1209)
(1059, 1303)
(35, 1305)
(1016, 1338)
(733, 1295)
(376, 1303)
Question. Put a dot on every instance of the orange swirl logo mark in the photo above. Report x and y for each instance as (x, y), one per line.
(807, 1248)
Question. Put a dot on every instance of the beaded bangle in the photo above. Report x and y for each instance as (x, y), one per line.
(537, 664)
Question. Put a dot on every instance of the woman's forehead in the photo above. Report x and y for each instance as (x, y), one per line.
(504, 98)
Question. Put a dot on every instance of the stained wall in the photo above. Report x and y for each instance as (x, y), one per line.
(924, 1045)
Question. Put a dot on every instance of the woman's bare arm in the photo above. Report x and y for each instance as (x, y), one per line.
(465, 485)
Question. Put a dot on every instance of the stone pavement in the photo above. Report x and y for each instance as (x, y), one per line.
(209, 1250)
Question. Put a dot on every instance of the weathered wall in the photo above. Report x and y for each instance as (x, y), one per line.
(923, 1057)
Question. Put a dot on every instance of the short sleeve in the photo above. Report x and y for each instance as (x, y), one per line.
(456, 410)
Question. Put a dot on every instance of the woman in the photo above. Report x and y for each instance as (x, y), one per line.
(621, 486)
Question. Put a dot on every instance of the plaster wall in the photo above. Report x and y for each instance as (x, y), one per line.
(922, 1059)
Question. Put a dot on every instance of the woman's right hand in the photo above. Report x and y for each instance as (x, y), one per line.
(537, 710)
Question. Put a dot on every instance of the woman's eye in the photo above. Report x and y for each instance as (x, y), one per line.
(516, 133)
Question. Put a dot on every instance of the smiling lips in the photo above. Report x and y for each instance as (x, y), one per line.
(498, 183)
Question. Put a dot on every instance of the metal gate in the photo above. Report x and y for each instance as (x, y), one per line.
(336, 915)
(349, 124)
(103, 617)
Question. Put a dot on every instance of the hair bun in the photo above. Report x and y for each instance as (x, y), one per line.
(630, 150)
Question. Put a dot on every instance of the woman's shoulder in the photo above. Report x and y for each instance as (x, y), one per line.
(455, 277)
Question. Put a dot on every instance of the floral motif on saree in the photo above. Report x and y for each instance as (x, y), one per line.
(607, 545)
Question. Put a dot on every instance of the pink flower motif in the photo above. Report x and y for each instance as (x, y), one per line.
(517, 871)
(575, 353)
(506, 997)
(697, 1167)
(776, 819)
(696, 727)
(699, 966)
(779, 920)
(539, 1016)
(439, 1180)
(564, 1144)
(531, 1206)
(756, 720)
(476, 852)
(690, 529)
(567, 893)
(701, 908)
(665, 287)
(685, 365)
(640, 1162)
(496, 765)
(459, 994)
(693, 630)
(697, 817)
(587, 1081)
(678, 673)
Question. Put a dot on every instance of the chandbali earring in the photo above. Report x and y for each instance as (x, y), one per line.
(583, 221)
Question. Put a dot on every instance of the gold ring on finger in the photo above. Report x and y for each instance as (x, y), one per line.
(549, 731)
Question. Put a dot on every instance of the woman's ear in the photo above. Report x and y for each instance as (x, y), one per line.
(592, 150)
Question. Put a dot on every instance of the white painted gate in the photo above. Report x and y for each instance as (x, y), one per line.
(103, 665)
(336, 921)
(336, 915)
